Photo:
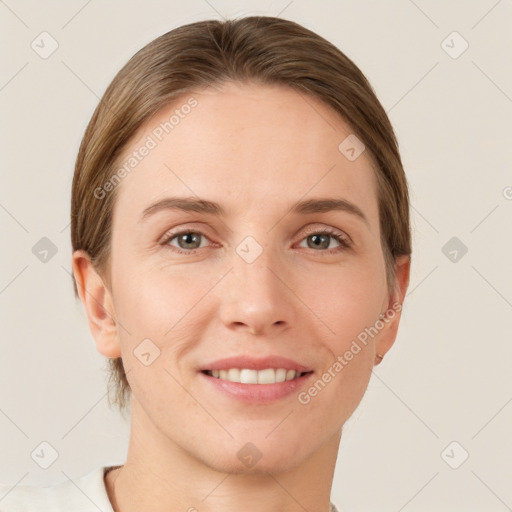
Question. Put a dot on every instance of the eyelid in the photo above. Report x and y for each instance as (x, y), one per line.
(184, 228)
(345, 240)
(330, 230)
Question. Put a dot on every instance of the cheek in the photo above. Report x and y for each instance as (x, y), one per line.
(163, 315)
(347, 301)
(158, 301)
(341, 383)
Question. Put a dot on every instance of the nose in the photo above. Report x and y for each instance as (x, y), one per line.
(257, 297)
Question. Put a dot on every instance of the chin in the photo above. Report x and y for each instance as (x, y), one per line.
(256, 457)
(274, 464)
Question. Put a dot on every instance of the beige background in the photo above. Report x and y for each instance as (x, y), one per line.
(448, 377)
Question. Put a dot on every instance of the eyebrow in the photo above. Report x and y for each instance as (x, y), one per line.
(321, 205)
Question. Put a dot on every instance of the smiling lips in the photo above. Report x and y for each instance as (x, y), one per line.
(246, 370)
(250, 376)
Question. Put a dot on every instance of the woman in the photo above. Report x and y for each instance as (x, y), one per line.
(240, 228)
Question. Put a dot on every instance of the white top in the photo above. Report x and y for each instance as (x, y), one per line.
(85, 494)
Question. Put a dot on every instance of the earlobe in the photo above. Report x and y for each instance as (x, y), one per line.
(98, 304)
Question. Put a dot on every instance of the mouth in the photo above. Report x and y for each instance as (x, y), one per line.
(251, 386)
(255, 380)
(265, 376)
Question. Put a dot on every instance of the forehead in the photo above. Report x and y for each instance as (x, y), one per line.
(242, 146)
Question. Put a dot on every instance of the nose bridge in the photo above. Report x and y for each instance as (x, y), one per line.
(256, 295)
(255, 266)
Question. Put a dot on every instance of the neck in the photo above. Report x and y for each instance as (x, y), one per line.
(172, 479)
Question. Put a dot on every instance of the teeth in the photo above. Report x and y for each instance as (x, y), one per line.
(247, 376)
(280, 375)
(267, 376)
(234, 375)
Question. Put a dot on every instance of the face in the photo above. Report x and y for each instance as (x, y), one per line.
(244, 271)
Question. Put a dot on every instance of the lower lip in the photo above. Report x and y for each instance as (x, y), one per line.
(257, 393)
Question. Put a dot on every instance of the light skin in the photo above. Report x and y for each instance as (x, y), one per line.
(256, 150)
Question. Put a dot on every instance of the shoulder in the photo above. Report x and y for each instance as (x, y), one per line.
(83, 494)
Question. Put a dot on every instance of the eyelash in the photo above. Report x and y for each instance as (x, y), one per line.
(340, 238)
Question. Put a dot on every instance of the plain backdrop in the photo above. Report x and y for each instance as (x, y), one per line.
(433, 430)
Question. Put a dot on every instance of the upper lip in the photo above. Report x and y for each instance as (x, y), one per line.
(254, 363)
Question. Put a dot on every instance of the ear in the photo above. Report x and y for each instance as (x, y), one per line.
(98, 304)
(387, 336)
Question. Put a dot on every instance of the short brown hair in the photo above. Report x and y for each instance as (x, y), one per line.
(256, 49)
